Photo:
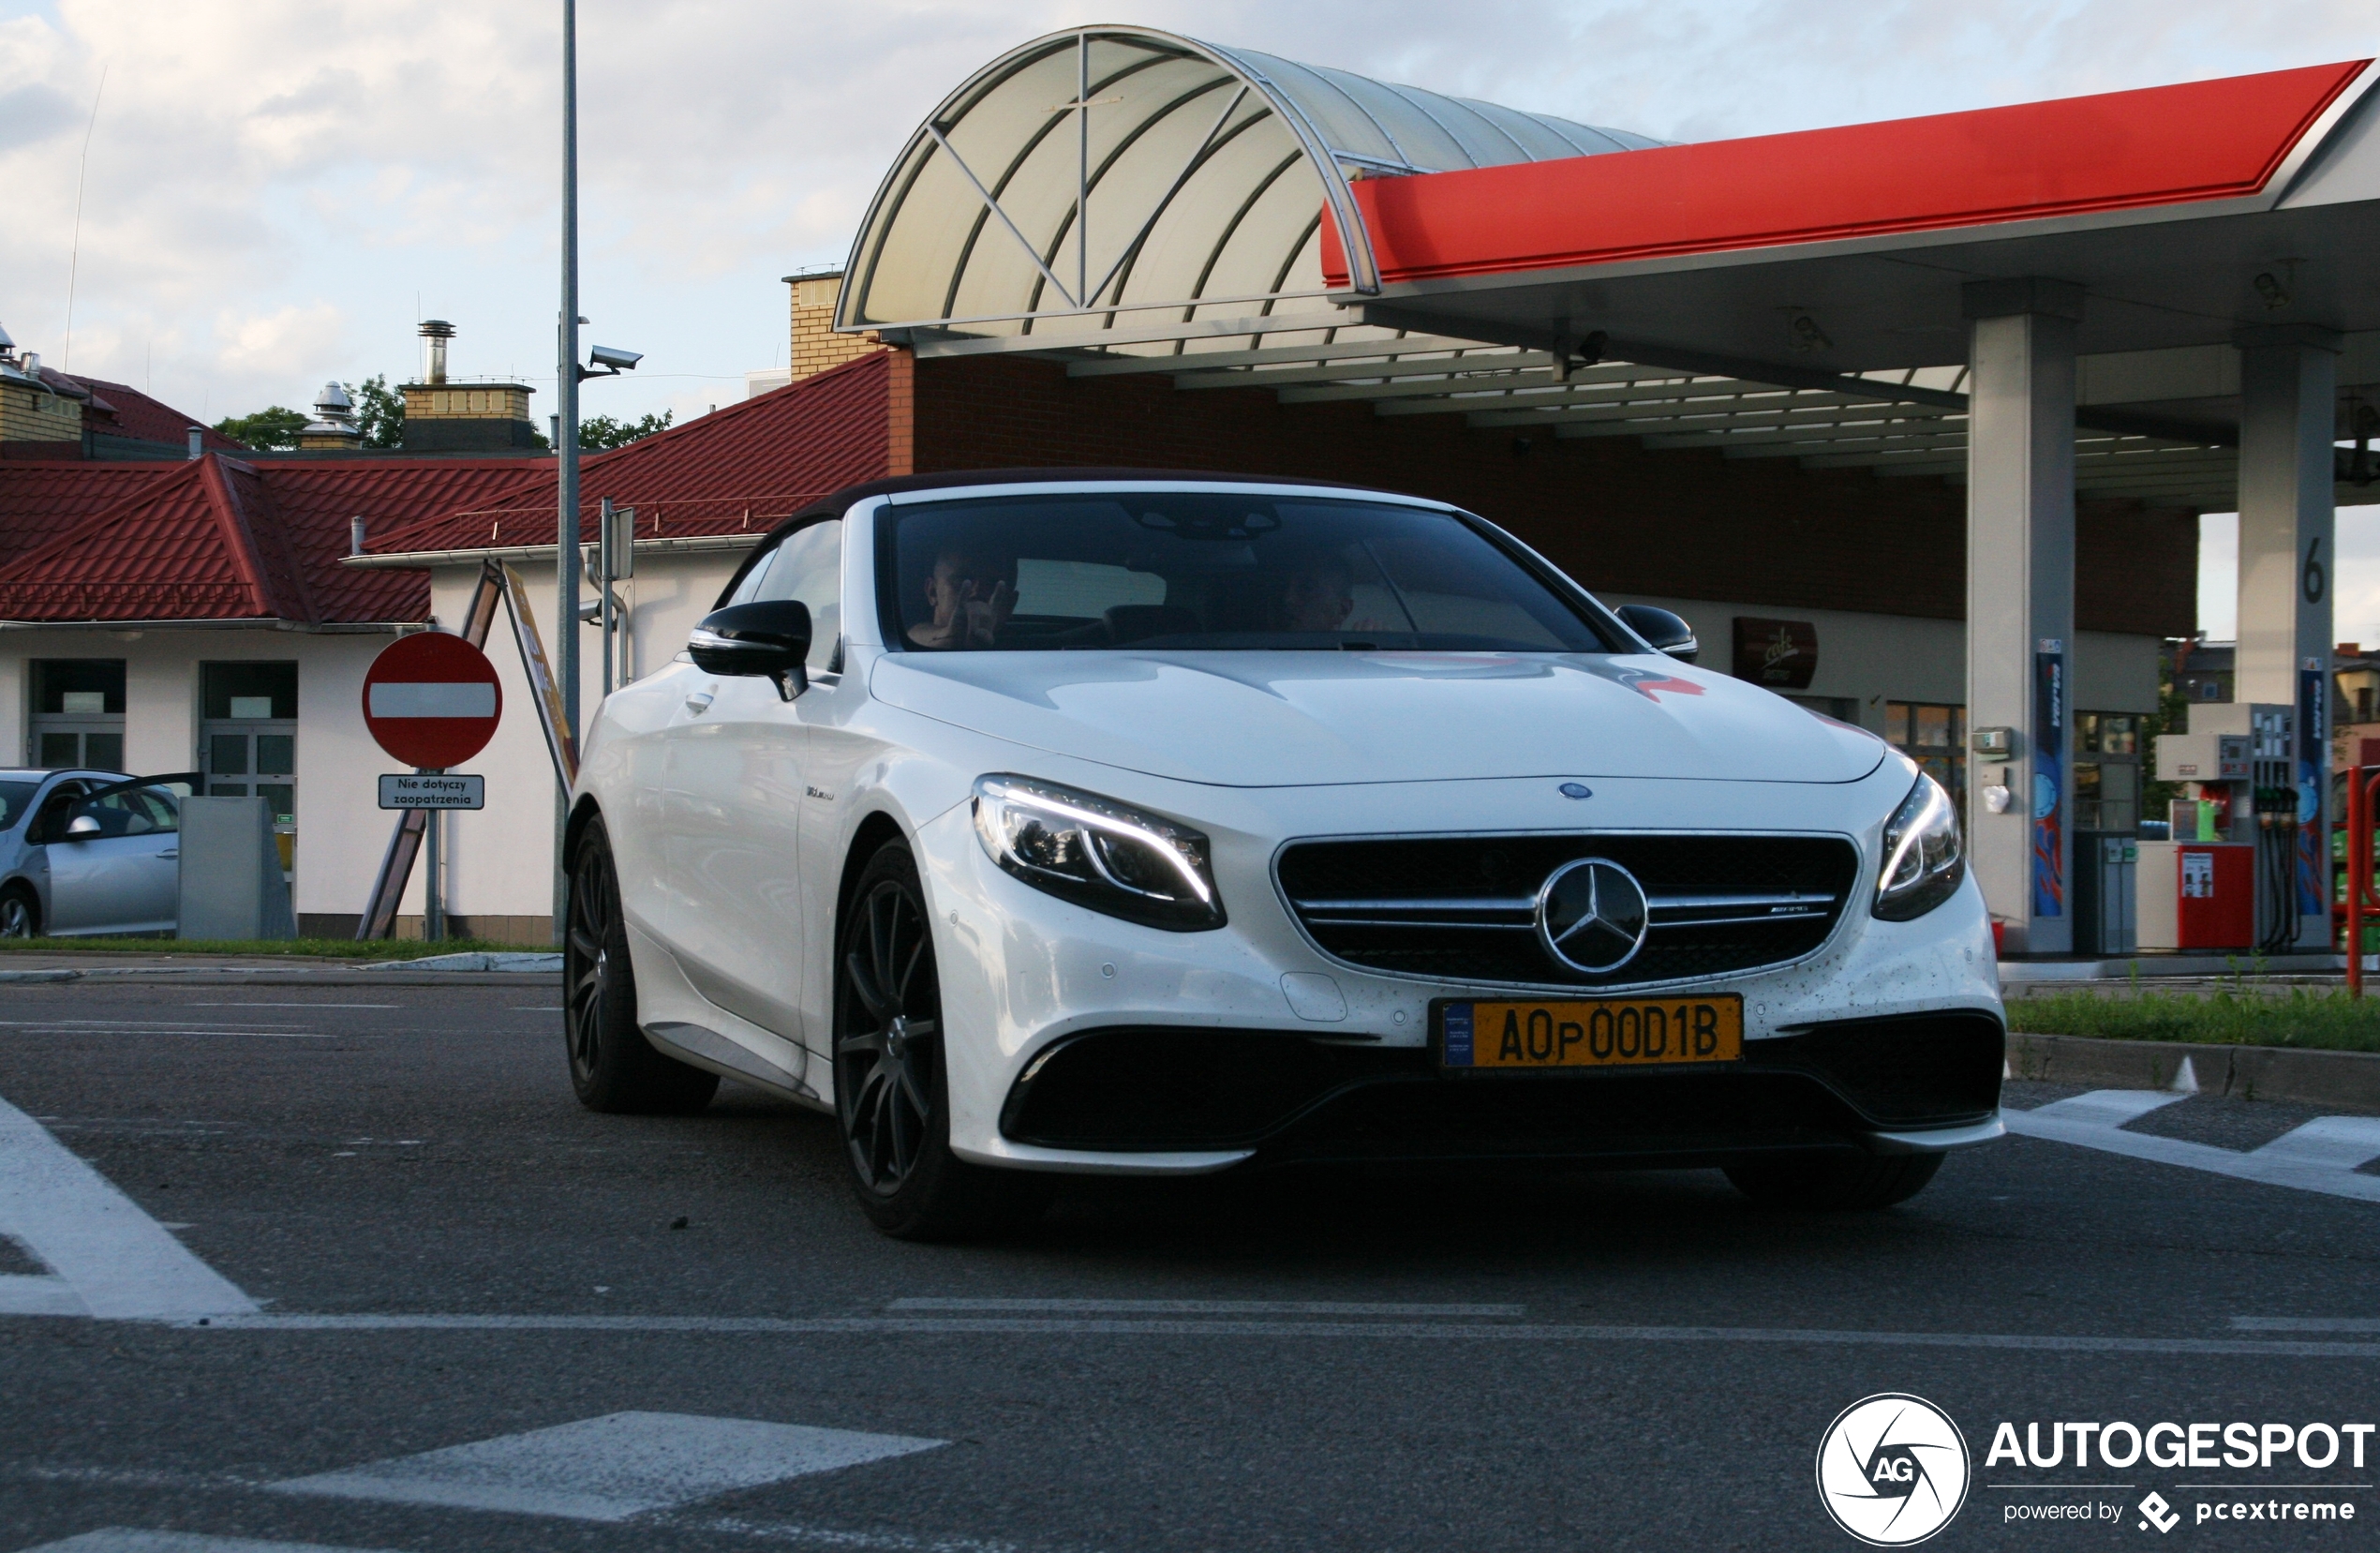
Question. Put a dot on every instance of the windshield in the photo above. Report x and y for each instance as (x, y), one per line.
(14, 795)
(1205, 569)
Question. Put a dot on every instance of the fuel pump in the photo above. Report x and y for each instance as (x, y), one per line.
(2227, 878)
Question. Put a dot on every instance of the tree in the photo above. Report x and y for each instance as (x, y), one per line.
(272, 426)
(380, 414)
(599, 432)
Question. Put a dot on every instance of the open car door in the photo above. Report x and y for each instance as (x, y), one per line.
(115, 857)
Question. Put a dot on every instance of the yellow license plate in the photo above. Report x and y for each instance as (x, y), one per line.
(1623, 1032)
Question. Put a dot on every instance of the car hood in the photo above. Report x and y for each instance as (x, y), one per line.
(1301, 719)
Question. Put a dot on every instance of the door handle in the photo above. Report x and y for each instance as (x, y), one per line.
(699, 704)
(171, 852)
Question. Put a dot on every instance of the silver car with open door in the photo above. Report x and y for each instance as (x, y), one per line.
(89, 853)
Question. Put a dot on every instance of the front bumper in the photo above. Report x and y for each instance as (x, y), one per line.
(1033, 986)
(1903, 1084)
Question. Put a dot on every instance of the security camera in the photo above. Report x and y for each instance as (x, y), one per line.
(615, 358)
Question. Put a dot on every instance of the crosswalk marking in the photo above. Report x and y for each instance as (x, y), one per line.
(2322, 1156)
(610, 1467)
(116, 1262)
(121, 1539)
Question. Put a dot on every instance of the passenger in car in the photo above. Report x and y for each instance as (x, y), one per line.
(967, 613)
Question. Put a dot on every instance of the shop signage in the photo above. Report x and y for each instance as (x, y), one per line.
(1777, 654)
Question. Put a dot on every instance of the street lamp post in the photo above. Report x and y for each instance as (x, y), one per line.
(608, 361)
(566, 453)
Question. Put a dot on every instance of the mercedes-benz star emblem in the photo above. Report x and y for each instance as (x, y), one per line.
(1591, 916)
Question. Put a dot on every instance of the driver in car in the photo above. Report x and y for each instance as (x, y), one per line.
(1319, 596)
(965, 612)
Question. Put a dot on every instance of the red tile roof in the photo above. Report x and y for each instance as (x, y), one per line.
(38, 499)
(316, 499)
(737, 470)
(221, 538)
(124, 410)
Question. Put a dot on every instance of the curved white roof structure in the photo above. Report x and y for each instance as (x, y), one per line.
(1122, 171)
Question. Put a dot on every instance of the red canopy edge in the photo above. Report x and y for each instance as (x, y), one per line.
(2113, 151)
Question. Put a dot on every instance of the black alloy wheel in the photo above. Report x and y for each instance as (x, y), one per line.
(891, 1090)
(885, 1058)
(613, 1066)
(19, 914)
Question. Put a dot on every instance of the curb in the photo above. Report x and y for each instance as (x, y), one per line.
(2349, 1081)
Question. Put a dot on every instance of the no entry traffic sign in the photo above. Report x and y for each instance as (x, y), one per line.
(431, 700)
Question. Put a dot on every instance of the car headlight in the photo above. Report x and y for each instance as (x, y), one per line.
(1097, 852)
(1923, 859)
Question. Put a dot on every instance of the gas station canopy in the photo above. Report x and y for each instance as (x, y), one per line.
(1253, 222)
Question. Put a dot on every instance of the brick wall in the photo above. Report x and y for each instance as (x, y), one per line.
(1693, 525)
(815, 346)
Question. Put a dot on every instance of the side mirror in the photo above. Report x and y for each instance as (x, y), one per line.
(82, 826)
(1661, 630)
(769, 637)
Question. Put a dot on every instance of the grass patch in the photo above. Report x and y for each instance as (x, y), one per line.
(296, 949)
(2324, 1020)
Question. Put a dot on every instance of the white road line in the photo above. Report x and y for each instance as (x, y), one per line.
(210, 1030)
(775, 1326)
(297, 1006)
(120, 1539)
(121, 1264)
(2320, 1157)
(1209, 1308)
(2328, 1143)
(2304, 1324)
(2109, 1106)
(97, 1024)
(610, 1467)
(38, 1294)
(837, 1539)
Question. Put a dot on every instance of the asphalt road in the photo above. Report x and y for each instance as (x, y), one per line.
(445, 1251)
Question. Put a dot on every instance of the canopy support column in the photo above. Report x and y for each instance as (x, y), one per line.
(2288, 387)
(2020, 601)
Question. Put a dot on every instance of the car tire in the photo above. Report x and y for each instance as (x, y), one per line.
(892, 1094)
(1836, 1184)
(20, 913)
(613, 1066)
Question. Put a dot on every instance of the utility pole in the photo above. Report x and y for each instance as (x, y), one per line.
(566, 452)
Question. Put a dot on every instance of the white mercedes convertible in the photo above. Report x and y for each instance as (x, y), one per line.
(1046, 821)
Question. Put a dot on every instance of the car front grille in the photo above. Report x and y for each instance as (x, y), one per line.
(1463, 908)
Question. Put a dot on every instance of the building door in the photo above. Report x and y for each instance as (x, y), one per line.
(248, 740)
(78, 714)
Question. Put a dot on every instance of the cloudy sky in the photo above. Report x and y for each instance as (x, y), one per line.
(274, 192)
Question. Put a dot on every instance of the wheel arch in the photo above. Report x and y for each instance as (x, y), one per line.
(874, 830)
(583, 813)
(19, 884)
